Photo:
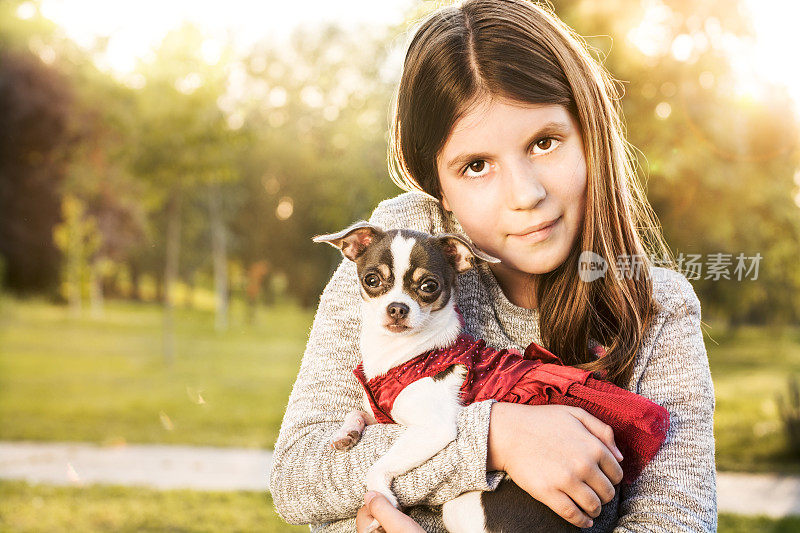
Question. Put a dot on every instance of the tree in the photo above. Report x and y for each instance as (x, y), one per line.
(719, 165)
(35, 107)
(184, 148)
(318, 113)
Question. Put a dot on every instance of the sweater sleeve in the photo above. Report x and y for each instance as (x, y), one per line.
(677, 489)
(312, 483)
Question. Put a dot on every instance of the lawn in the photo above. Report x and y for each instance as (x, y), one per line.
(43, 508)
(749, 369)
(97, 508)
(105, 380)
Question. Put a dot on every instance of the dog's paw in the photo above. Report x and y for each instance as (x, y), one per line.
(390, 497)
(344, 441)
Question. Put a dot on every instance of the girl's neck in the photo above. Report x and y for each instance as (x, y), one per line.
(517, 286)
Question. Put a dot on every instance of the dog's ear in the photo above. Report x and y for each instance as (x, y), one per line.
(353, 241)
(461, 253)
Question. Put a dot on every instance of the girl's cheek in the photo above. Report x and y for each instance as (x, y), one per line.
(570, 178)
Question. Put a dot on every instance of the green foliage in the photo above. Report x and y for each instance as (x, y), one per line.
(720, 167)
(35, 110)
(293, 140)
(78, 238)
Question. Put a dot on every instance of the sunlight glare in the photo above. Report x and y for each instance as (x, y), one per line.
(135, 29)
(653, 34)
(26, 10)
(771, 55)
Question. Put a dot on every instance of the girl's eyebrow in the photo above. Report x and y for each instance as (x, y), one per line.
(554, 127)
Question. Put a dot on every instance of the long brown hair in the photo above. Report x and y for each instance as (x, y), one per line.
(522, 51)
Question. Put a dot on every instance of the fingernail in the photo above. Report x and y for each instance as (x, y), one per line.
(591, 523)
(368, 497)
(618, 453)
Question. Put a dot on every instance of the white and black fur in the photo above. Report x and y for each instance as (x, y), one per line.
(407, 281)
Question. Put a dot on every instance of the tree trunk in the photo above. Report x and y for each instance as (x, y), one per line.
(220, 255)
(95, 289)
(135, 280)
(75, 270)
(173, 244)
(191, 281)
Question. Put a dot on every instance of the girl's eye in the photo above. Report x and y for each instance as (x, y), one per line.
(372, 280)
(541, 147)
(546, 145)
(429, 286)
(475, 166)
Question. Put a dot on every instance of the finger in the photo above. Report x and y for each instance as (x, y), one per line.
(602, 487)
(599, 429)
(587, 499)
(567, 509)
(610, 467)
(390, 518)
(363, 519)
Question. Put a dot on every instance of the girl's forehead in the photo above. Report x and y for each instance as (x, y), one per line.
(496, 108)
(492, 120)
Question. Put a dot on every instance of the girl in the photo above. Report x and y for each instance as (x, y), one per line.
(508, 131)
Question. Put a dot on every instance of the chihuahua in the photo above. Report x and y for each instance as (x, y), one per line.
(407, 282)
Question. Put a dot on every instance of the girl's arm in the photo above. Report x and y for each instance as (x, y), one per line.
(311, 482)
(677, 490)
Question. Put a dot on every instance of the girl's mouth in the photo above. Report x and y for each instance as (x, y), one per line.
(538, 235)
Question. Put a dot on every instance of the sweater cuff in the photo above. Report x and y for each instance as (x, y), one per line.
(473, 441)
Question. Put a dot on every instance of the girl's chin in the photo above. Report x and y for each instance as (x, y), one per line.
(512, 265)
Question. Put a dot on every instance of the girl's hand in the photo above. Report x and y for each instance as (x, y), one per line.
(376, 506)
(560, 455)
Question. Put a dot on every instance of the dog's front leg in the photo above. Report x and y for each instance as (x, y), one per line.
(353, 426)
(429, 409)
(349, 434)
(416, 445)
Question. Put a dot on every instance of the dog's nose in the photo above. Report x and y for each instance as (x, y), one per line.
(397, 310)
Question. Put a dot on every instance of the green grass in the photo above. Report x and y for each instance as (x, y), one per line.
(729, 523)
(43, 508)
(749, 368)
(39, 508)
(105, 380)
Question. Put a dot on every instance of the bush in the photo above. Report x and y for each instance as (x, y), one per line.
(789, 410)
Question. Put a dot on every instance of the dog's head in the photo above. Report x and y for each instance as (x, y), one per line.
(405, 276)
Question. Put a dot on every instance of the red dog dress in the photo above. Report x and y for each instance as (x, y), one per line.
(535, 378)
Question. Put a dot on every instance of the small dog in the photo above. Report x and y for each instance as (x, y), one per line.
(412, 328)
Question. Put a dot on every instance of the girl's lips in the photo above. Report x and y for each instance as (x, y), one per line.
(539, 235)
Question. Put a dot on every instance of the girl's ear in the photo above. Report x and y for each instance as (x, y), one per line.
(445, 203)
(461, 253)
(353, 241)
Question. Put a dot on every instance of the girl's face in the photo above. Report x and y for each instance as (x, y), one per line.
(507, 168)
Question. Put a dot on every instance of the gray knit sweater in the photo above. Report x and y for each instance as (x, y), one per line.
(314, 484)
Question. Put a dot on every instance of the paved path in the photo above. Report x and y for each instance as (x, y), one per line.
(162, 467)
(752, 494)
(203, 468)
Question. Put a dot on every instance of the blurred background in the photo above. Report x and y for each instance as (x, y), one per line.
(164, 165)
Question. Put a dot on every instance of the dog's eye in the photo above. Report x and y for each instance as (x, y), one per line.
(372, 280)
(429, 286)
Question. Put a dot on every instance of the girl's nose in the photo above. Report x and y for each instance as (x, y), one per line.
(523, 188)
